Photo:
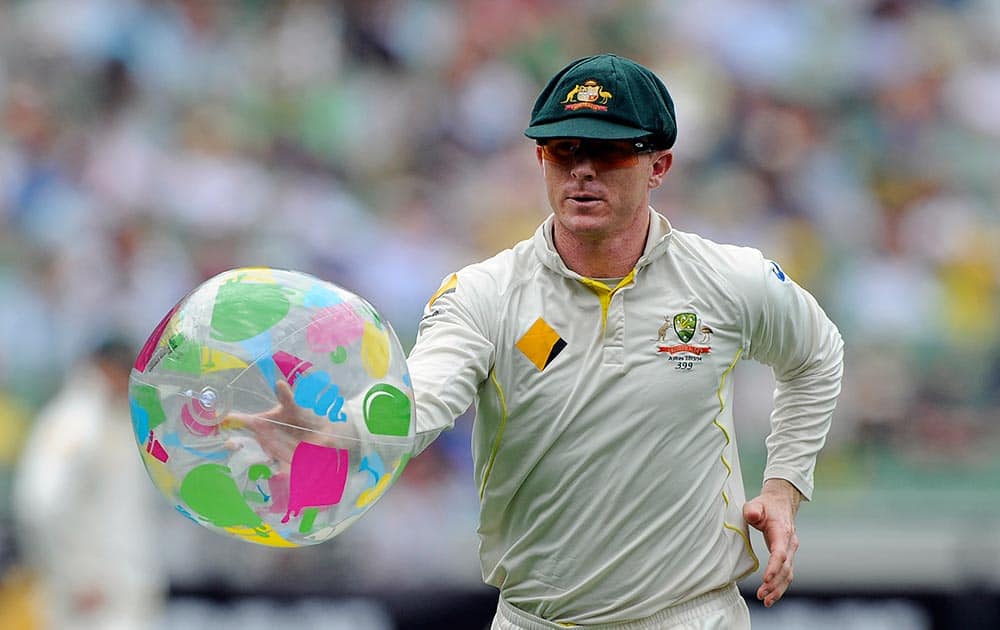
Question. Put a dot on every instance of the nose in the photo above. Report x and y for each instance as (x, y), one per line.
(583, 167)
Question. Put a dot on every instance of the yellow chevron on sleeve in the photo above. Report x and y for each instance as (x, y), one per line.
(449, 285)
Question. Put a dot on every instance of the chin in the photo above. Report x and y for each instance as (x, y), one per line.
(584, 224)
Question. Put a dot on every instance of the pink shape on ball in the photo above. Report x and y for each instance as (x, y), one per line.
(334, 326)
(194, 425)
(290, 365)
(318, 477)
(149, 347)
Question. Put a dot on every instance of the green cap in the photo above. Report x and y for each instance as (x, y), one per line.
(605, 97)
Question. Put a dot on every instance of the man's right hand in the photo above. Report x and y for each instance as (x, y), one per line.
(280, 429)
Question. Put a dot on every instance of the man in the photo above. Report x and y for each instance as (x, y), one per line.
(599, 354)
(86, 512)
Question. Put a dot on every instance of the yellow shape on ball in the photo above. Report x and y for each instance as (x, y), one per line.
(264, 534)
(375, 351)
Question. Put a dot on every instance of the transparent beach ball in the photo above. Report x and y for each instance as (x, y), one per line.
(272, 406)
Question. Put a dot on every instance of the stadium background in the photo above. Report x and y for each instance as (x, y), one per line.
(146, 145)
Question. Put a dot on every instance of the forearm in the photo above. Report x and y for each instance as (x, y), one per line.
(803, 411)
(450, 359)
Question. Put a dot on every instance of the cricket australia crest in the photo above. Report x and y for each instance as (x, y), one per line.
(683, 339)
(588, 95)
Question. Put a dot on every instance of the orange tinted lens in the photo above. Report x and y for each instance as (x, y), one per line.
(605, 154)
(560, 151)
(613, 154)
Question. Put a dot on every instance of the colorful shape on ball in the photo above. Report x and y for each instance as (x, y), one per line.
(319, 296)
(217, 360)
(209, 490)
(369, 495)
(173, 440)
(154, 448)
(373, 465)
(184, 355)
(375, 351)
(243, 309)
(318, 477)
(277, 484)
(263, 534)
(290, 365)
(387, 410)
(149, 348)
(258, 471)
(194, 424)
(308, 520)
(315, 391)
(159, 472)
(339, 355)
(334, 326)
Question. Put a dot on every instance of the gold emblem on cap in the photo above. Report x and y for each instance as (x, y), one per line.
(590, 95)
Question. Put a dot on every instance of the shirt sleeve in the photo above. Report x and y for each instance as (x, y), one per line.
(791, 333)
(452, 355)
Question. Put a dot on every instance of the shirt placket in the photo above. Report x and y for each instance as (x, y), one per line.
(612, 318)
(614, 331)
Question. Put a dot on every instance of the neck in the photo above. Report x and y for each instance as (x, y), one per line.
(603, 255)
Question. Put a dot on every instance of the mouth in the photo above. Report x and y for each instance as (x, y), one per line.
(583, 197)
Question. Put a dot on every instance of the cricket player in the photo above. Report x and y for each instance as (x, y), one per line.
(599, 354)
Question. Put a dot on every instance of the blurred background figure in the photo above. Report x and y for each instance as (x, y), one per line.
(85, 513)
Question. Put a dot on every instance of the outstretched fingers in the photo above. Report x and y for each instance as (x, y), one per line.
(779, 573)
(279, 430)
(773, 513)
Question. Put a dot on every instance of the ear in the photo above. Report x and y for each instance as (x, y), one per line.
(538, 153)
(661, 164)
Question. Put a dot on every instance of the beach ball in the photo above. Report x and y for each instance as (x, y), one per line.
(272, 406)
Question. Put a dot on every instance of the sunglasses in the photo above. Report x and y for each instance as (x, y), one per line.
(603, 154)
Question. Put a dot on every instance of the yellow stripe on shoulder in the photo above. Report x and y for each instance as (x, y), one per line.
(449, 285)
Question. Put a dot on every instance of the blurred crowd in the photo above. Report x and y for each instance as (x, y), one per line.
(146, 145)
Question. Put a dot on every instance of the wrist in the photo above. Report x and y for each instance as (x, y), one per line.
(783, 488)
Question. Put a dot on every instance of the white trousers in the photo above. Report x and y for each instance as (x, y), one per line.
(722, 609)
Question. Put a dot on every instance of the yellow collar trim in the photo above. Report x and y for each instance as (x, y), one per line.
(605, 293)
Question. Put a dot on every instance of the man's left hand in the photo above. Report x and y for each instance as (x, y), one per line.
(773, 513)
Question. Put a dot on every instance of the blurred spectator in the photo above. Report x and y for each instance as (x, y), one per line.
(84, 505)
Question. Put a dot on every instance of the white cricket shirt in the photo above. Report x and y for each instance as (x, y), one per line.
(604, 443)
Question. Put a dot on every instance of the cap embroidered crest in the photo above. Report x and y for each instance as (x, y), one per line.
(588, 95)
